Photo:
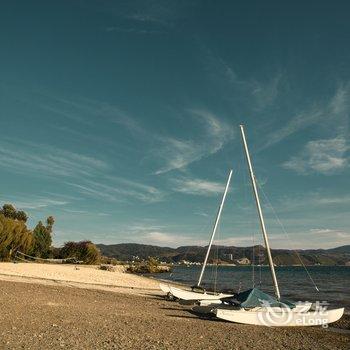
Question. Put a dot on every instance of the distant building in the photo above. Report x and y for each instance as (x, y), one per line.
(228, 256)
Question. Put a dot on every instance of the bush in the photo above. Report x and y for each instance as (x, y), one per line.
(84, 251)
(14, 235)
(151, 265)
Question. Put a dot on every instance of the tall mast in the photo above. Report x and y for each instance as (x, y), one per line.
(262, 222)
(215, 228)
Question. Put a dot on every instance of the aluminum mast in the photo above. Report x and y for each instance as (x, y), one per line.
(262, 223)
(215, 228)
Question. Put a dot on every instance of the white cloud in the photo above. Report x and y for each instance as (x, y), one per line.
(258, 94)
(298, 122)
(336, 109)
(161, 238)
(118, 189)
(34, 203)
(198, 186)
(25, 157)
(330, 232)
(333, 200)
(201, 214)
(309, 200)
(327, 156)
(133, 30)
(172, 152)
(177, 154)
(330, 237)
(265, 93)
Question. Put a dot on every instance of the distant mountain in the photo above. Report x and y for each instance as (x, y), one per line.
(228, 254)
(343, 249)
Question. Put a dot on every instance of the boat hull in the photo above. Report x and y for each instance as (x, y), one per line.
(273, 318)
(210, 306)
(164, 287)
(189, 295)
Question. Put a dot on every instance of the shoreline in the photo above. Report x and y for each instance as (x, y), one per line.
(79, 276)
(133, 314)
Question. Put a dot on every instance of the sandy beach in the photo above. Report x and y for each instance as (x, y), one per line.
(80, 276)
(58, 306)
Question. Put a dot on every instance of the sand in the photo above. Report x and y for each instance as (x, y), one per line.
(46, 310)
(80, 276)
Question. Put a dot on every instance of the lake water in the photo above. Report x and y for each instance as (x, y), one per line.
(333, 281)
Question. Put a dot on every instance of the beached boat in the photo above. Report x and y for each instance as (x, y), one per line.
(197, 292)
(280, 317)
(183, 294)
(164, 287)
(258, 308)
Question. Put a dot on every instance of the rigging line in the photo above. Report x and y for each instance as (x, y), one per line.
(207, 228)
(217, 259)
(253, 261)
(250, 223)
(287, 235)
(203, 228)
(252, 229)
(259, 261)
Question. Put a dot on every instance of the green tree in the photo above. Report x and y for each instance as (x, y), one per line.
(21, 216)
(42, 240)
(9, 211)
(84, 251)
(49, 223)
(14, 235)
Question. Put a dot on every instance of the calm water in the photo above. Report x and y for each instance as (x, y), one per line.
(294, 283)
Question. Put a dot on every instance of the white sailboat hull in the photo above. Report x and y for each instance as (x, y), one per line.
(164, 288)
(210, 306)
(189, 295)
(280, 318)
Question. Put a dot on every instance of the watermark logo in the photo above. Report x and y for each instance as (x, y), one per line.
(300, 315)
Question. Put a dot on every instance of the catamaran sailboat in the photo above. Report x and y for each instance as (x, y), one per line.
(258, 308)
(198, 292)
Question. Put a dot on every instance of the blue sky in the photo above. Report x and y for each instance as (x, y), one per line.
(120, 118)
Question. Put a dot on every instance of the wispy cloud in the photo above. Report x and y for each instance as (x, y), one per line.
(298, 122)
(133, 30)
(329, 232)
(163, 238)
(256, 95)
(321, 156)
(118, 190)
(330, 237)
(200, 213)
(309, 239)
(147, 17)
(336, 109)
(172, 151)
(45, 160)
(84, 212)
(33, 203)
(319, 201)
(197, 186)
(178, 154)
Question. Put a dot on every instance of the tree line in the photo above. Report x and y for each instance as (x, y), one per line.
(15, 237)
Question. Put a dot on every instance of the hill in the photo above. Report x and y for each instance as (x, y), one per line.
(227, 254)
